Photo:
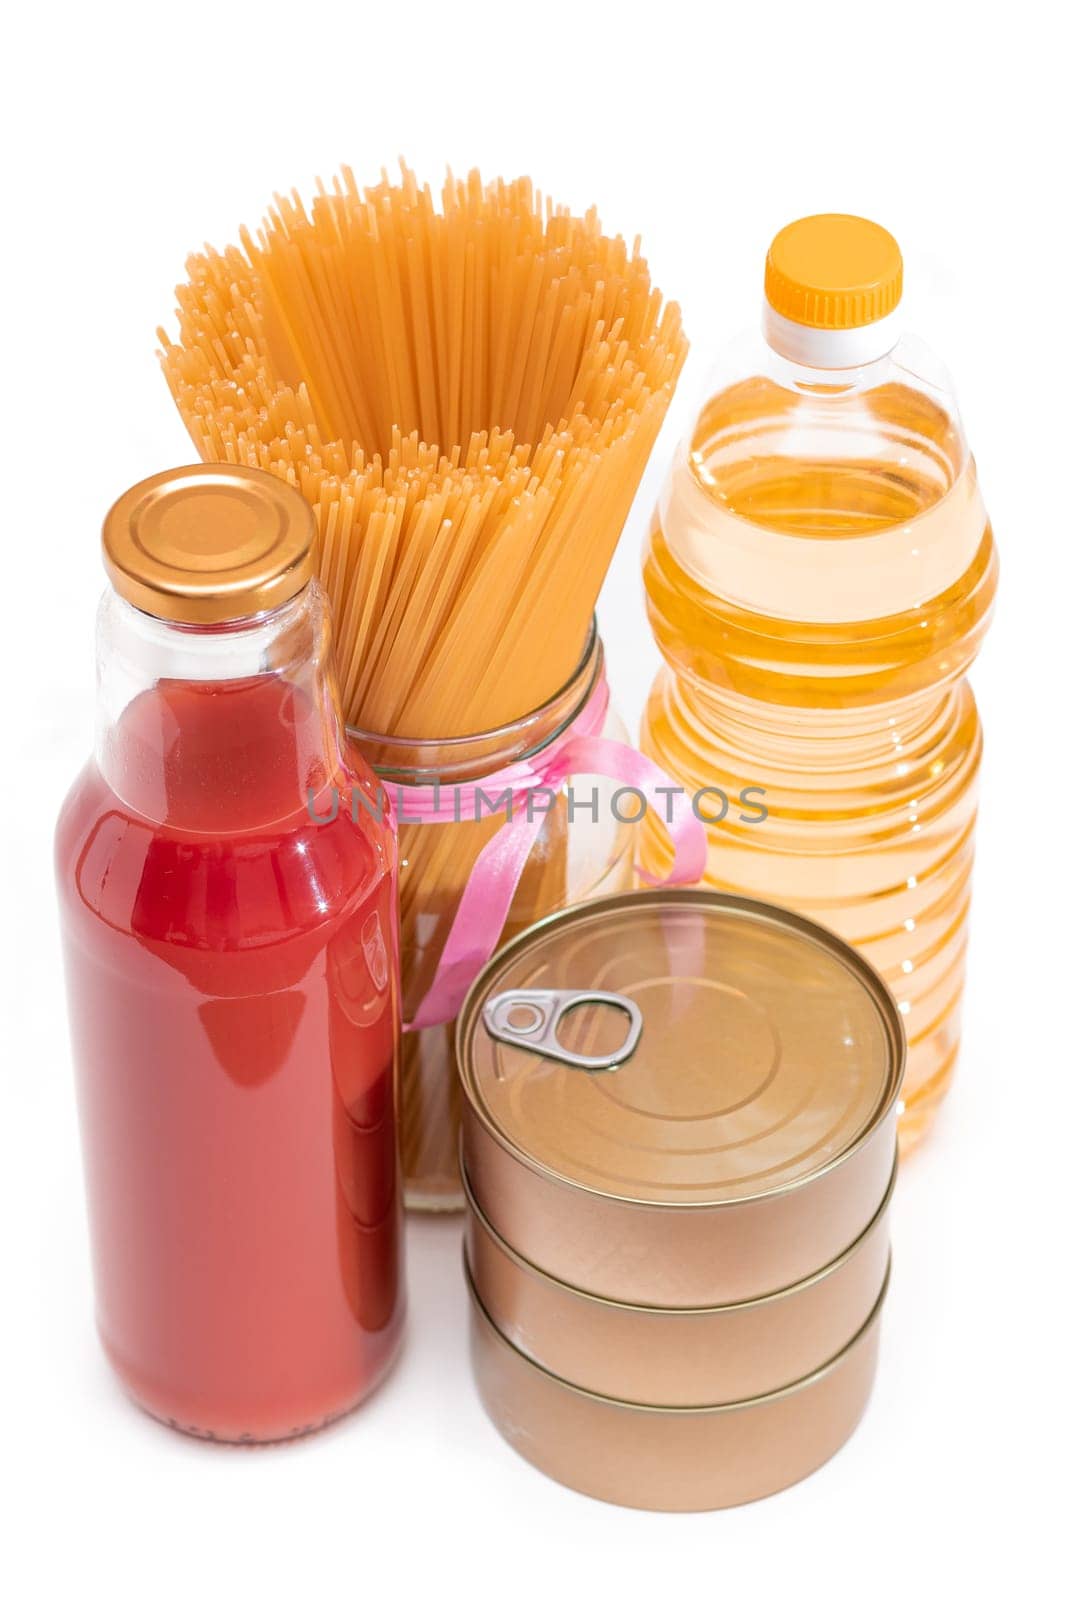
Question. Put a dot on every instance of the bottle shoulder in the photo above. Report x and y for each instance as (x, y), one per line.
(221, 891)
(826, 498)
(804, 452)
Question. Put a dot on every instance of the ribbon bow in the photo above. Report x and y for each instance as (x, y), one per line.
(483, 907)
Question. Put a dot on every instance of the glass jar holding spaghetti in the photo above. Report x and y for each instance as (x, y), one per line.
(451, 797)
(578, 848)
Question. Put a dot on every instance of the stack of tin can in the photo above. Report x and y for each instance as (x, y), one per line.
(679, 1148)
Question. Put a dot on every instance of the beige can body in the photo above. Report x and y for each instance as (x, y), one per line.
(683, 1458)
(650, 1355)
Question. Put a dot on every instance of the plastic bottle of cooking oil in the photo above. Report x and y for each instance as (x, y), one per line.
(820, 573)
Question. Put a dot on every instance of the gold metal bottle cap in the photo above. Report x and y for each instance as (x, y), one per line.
(209, 543)
(767, 1049)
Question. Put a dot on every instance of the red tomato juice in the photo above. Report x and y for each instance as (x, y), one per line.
(231, 976)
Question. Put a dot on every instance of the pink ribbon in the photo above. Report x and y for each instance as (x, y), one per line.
(483, 908)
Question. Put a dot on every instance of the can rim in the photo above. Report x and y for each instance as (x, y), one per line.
(767, 1398)
(731, 903)
(797, 1287)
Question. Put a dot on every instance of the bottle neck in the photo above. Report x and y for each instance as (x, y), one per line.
(217, 729)
(830, 349)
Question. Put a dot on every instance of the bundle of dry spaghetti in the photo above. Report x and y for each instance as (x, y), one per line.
(467, 393)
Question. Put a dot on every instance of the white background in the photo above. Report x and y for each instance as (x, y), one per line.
(134, 134)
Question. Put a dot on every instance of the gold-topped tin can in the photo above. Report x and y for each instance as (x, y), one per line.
(679, 1098)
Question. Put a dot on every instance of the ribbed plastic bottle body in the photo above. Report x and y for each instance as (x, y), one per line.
(820, 573)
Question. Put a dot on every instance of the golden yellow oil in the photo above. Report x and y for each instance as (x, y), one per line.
(819, 578)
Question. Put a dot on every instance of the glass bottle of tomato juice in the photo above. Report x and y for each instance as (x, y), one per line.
(230, 941)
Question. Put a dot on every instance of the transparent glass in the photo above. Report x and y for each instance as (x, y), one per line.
(579, 852)
(820, 573)
(232, 988)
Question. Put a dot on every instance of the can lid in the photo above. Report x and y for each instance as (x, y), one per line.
(767, 1050)
(209, 543)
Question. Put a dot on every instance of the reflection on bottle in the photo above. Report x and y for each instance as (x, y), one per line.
(364, 1032)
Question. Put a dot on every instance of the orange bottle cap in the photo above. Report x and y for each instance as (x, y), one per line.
(833, 271)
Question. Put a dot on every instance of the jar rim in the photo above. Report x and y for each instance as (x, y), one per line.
(591, 652)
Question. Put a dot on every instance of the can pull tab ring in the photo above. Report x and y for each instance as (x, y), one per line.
(529, 1018)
